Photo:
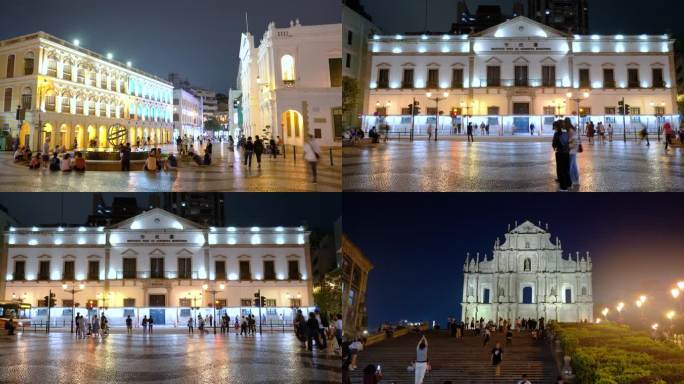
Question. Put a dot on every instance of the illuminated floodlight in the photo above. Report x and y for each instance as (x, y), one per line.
(77, 42)
(110, 56)
(129, 64)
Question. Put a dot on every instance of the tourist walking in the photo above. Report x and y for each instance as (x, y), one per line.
(129, 324)
(191, 329)
(258, 149)
(338, 329)
(486, 335)
(669, 134)
(610, 132)
(125, 155)
(274, 148)
(150, 323)
(469, 131)
(144, 324)
(421, 366)
(249, 150)
(497, 356)
(429, 132)
(561, 147)
(322, 326)
(575, 145)
(94, 326)
(311, 155)
(312, 332)
(644, 136)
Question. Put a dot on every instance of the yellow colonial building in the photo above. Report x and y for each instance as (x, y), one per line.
(74, 97)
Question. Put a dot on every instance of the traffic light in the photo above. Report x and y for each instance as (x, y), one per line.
(53, 301)
(416, 108)
(628, 109)
(44, 303)
(263, 302)
(621, 108)
(256, 299)
(410, 109)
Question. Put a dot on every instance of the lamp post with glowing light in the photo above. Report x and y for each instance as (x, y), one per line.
(578, 99)
(213, 293)
(676, 293)
(605, 312)
(73, 291)
(619, 307)
(670, 316)
(437, 99)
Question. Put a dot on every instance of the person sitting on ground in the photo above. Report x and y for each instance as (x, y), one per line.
(66, 163)
(197, 159)
(151, 162)
(79, 162)
(54, 163)
(207, 158)
(19, 154)
(171, 163)
(35, 161)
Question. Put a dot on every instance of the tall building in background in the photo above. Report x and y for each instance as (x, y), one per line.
(355, 269)
(357, 27)
(122, 208)
(188, 114)
(570, 16)
(205, 208)
(208, 97)
(528, 277)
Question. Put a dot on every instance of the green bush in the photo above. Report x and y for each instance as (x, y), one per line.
(615, 354)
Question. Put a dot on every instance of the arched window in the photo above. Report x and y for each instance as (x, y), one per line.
(10, 66)
(28, 63)
(26, 99)
(52, 68)
(287, 66)
(527, 295)
(568, 296)
(527, 265)
(485, 296)
(66, 71)
(66, 103)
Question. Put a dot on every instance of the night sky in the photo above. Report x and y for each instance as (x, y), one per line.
(318, 210)
(605, 16)
(199, 39)
(418, 243)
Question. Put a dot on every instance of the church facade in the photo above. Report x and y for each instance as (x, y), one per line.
(528, 277)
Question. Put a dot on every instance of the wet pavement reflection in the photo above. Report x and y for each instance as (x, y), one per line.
(508, 166)
(163, 358)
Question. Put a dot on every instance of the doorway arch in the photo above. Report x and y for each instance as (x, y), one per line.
(46, 134)
(293, 125)
(24, 134)
(92, 135)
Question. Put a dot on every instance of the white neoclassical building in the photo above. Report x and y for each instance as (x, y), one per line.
(188, 114)
(160, 265)
(520, 73)
(292, 83)
(78, 98)
(528, 277)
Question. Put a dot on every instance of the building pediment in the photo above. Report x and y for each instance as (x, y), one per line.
(157, 252)
(129, 252)
(184, 252)
(521, 27)
(157, 218)
(527, 227)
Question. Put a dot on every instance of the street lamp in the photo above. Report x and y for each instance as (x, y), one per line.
(73, 291)
(642, 298)
(578, 99)
(670, 316)
(680, 285)
(605, 313)
(620, 306)
(437, 99)
(213, 293)
(675, 293)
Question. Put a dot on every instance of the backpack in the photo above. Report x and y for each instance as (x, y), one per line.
(54, 164)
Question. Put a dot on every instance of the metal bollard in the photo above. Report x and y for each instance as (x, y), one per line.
(331, 158)
(294, 153)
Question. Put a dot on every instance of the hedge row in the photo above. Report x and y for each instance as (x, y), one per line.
(615, 354)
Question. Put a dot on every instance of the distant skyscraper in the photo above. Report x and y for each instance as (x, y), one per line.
(485, 17)
(202, 208)
(565, 15)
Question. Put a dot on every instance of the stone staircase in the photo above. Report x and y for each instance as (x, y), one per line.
(463, 361)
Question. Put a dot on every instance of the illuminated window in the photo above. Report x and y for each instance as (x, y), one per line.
(26, 99)
(28, 63)
(52, 68)
(287, 65)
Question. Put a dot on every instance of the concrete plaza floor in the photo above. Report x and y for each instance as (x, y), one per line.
(164, 357)
(508, 165)
(275, 175)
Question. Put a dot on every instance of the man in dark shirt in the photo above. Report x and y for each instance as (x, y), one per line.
(497, 356)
